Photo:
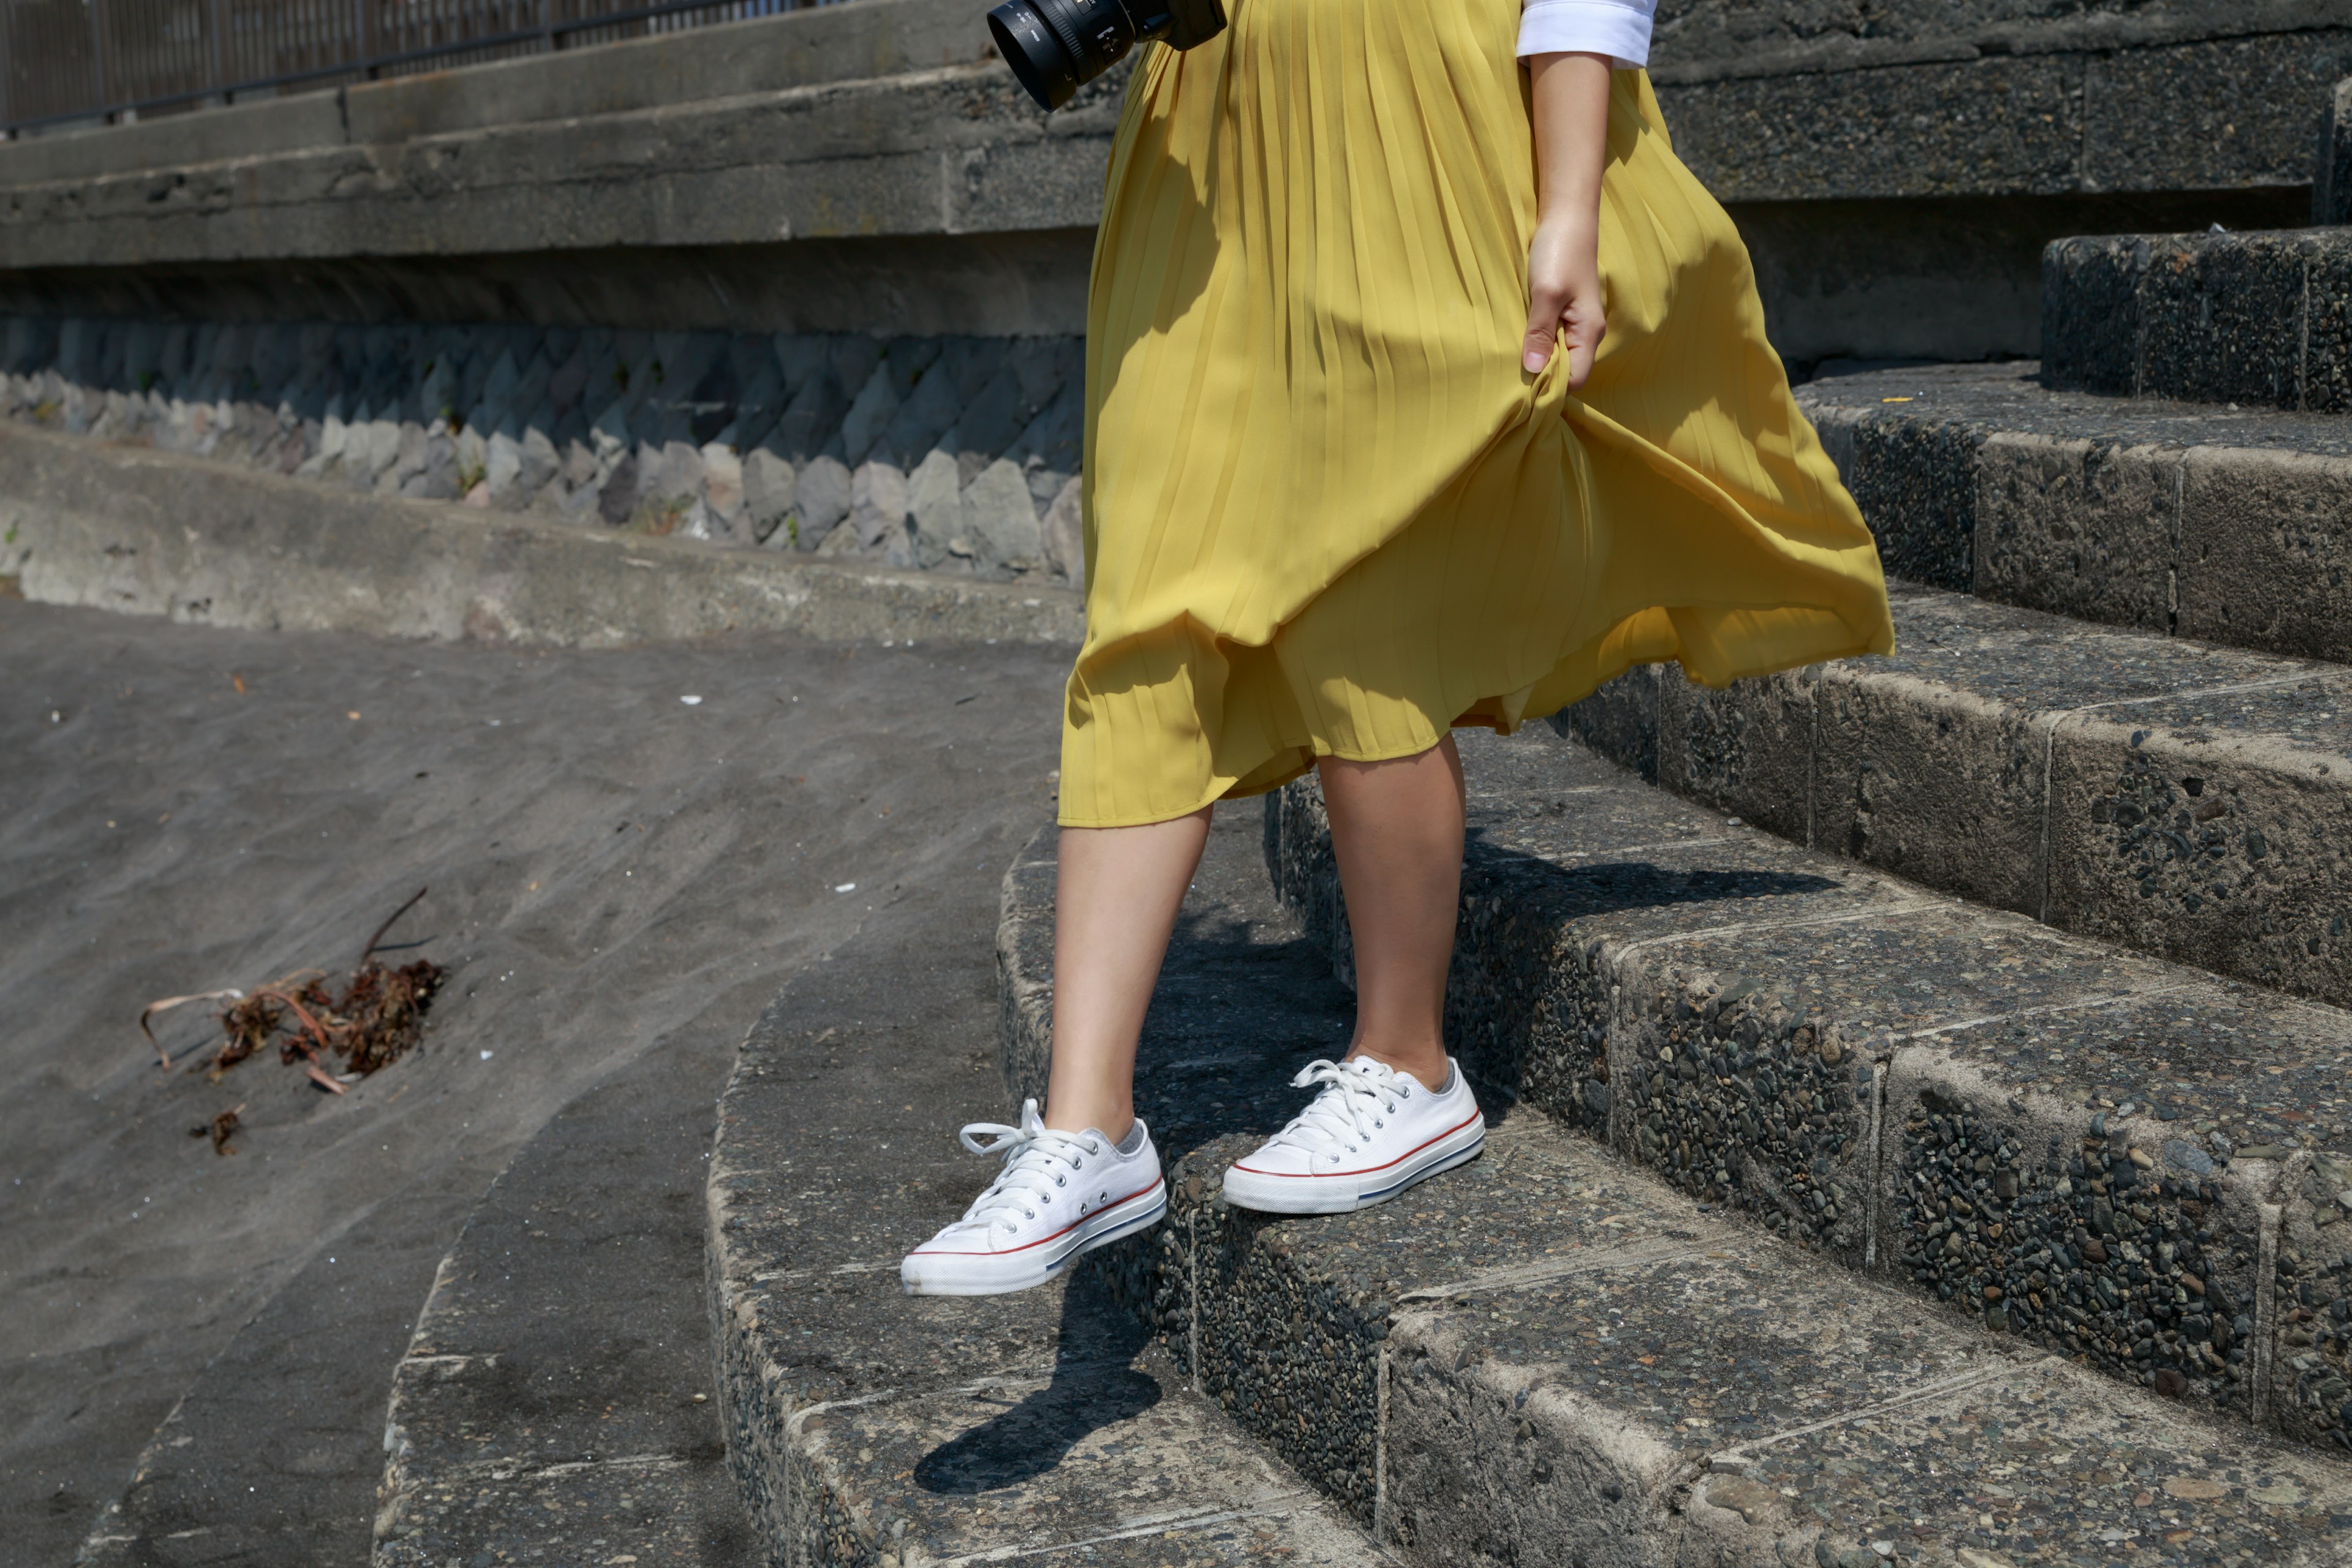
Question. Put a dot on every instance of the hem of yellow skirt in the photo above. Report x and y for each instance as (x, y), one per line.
(1239, 789)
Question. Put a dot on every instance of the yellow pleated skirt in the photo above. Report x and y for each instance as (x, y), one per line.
(1327, 512)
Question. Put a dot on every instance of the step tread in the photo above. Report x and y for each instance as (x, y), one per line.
(1414, 1359)
(869, 1427)
(2188, 802)
(1802, 1059)
(2011, 396)
(556, 1392)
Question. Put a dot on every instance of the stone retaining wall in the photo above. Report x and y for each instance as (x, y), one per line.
(948, 454)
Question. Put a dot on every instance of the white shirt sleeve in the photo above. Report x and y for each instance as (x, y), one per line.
(1618, 28)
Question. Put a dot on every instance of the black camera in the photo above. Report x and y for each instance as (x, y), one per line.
(1055, 46)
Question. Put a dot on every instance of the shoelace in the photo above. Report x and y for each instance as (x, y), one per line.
(1357, 1097)
(1035, 1156)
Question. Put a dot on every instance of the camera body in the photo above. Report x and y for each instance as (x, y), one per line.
(1055, 46)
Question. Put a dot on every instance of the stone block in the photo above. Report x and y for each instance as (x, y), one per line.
(722, 485)
(878, 503)
(1063, 527)
(1623, 720)
(1948, 127)
(2213, 826)
(2097, 1178)
(822, 493)
(769, 493)
(1941, 785)
(1745, 751)
(1746, 1060)
(934, 508)
(2079, 528)
(1914, 481)
(1001, 519)
(2221, 320)
(2331, 186)
(2266, 551)
(2326, 363)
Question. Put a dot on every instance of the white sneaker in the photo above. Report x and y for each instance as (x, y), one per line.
(1372, 1133)
(1059, 1194)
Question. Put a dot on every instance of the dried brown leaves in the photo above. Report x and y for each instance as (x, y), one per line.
(376, 1017)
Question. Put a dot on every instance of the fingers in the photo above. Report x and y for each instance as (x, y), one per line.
(1544, 311)
(1583, 347)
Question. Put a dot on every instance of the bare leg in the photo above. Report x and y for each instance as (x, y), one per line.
(1119, 889)
(1396, 831)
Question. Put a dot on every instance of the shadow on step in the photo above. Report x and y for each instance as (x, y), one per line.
(1095, 1386)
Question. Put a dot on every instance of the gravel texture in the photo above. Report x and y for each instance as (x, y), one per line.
(2190, 801)
(1551, 1355)
(2229, 524)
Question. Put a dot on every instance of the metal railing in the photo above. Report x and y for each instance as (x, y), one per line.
(113, 60)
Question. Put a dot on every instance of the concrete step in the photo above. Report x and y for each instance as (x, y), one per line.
(2261, 317)
(1552, 1356)
(1953, 1099)
(870, 1427)
(2230, 525)
(2183, 801)
(554, 1401)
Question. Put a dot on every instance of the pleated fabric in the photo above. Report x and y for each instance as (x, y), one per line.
(1327, 512)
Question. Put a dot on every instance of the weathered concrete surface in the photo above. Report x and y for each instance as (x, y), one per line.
(614, 876)
(1895, 1083)
(860, 168)
(2188, 802)
(1546, 1356)
(157, 533)
(555, 1398)
(867, 1426)
(2262, 319)
(2226, 525)
(1897, 177)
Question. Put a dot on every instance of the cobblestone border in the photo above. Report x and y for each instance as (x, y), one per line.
(956, 455)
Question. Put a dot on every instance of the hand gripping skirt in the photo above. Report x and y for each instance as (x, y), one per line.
(1327, 512)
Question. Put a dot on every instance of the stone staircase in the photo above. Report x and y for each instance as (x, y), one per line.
(1920, 1089)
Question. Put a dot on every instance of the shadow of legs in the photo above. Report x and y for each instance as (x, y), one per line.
(1095, 1386)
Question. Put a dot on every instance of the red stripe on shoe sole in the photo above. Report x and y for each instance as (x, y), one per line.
(1156, 1182)
(1368, 1169)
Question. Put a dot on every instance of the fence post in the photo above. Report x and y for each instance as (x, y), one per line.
(364, 11)
(8, 64)
(99, 51)
(216, 36)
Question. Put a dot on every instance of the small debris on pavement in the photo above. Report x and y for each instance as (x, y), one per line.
(220, 1129)
(377, 1017)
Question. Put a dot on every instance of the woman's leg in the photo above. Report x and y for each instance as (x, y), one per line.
(1396, 831)
(1118, 892)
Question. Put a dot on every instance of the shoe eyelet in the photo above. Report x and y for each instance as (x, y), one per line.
(1061, 1181)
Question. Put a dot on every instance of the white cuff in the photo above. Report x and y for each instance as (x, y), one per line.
(1618, 28)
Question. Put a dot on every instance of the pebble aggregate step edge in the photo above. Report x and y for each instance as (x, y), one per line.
(2185, 801)
(1549, 1356)
(2115, 1159)
(2261, 317)
(2230, 525)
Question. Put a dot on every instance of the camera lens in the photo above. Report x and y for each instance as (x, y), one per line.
(1055, 46)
